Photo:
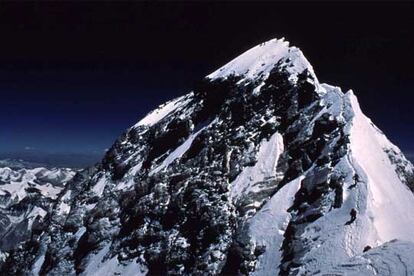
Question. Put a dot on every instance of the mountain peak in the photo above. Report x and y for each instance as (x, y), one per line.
(260, 170)
(260, 60)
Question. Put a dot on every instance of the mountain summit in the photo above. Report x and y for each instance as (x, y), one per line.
(259, 170)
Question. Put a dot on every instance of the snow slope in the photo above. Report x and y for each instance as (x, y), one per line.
(268, 226)
(390, 202)
(265, 168)
(391, 258)
(163, 110)
(261, 59)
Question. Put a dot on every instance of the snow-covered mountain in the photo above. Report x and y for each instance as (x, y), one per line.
(26, 196)
(259, 170)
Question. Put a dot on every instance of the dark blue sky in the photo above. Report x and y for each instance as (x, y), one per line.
(74, 76)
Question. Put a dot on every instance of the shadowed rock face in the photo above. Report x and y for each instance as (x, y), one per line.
(235, 177)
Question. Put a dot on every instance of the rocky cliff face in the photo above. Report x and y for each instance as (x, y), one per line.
(260, 170)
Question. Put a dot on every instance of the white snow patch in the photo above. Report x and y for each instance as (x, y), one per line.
(38, 265)
(136, 168)
(16, 189)
(129, 181)
(256, 90)
(96, 261)
(97, 265)
(99, 187)
(265, 167)
(63, 207)
(37, 211)
(80, 232)
(163, 110)
(49, 190)
(90, 206)
(177, 153)
(268, 226)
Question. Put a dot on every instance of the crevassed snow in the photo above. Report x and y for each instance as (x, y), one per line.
(260, 60)
(163, 110)
(390, 202)
(264, 168)
(268, 226)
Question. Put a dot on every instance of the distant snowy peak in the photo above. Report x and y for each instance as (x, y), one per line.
(261, 59)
